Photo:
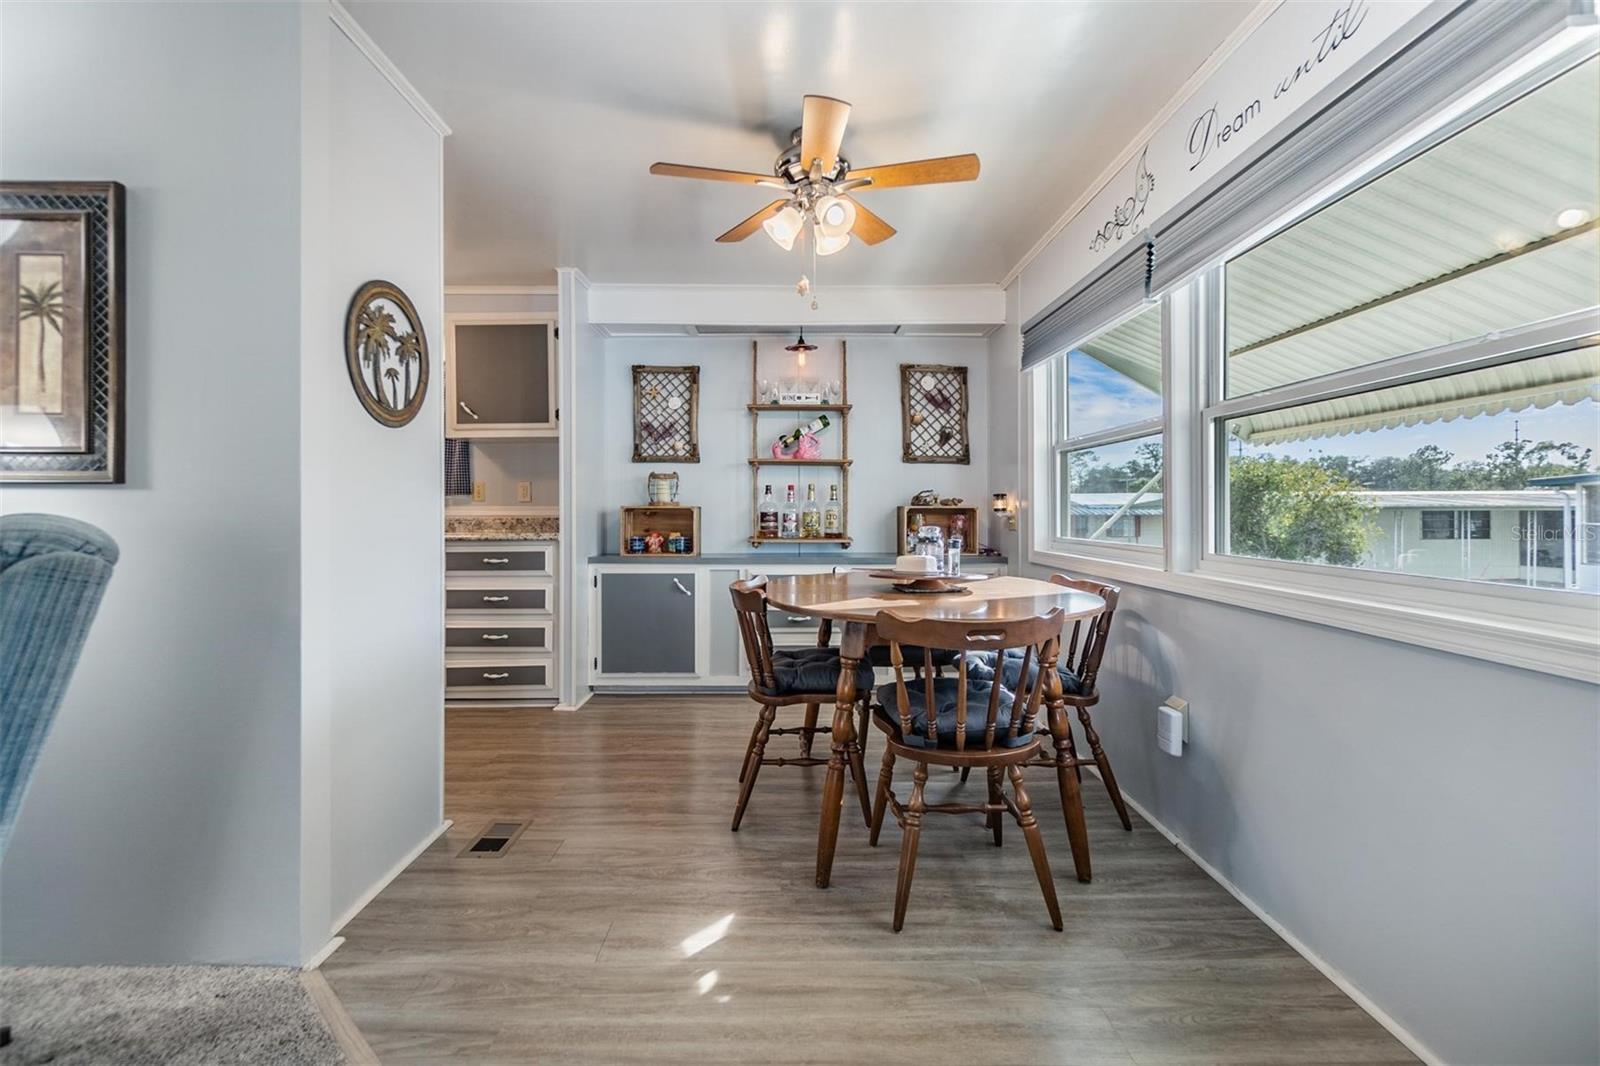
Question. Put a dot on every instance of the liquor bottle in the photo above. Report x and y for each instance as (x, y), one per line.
(811, 516)
(832, 522)
(767, 523)
(816, 425)
(789, 517)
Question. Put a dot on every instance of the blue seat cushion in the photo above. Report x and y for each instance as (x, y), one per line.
(946, 690)
(980, 664)
(911, 655)
(801, 670)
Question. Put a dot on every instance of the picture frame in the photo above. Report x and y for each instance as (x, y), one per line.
(666, 414)
(62, 332)
(934, 411)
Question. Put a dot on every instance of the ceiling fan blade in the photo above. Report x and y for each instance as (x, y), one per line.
(679, 170)
(751, 224)
(869, 227)
(921, 172)
(822, 125)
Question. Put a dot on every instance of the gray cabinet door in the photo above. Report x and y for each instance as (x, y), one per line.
(647, 623)
(502, 374)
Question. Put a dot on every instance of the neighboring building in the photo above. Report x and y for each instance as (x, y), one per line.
(1523, 536)
(1131, 523)
(1582, 492)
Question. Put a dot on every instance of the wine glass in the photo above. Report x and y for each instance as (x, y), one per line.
(764, 391)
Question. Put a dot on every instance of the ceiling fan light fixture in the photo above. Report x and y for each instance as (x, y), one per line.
(827, 245)
(784, 227)
(835, 215)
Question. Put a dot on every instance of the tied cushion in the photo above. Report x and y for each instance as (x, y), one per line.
(981, 665)
(946, 691)
(813, 670)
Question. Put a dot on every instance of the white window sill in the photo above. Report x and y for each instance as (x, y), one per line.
(1570, 649)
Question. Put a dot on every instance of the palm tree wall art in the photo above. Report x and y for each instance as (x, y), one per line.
(384, 343)
(43, 305)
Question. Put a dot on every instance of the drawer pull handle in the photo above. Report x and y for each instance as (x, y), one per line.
(797, 619)
(495, 562)
(679, 586)
(469, 410)
(496, 677)
(497, 636)
(496, 599)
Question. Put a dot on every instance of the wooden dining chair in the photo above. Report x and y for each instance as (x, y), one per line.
(798, 677)
(1079, 667)
(963, 722)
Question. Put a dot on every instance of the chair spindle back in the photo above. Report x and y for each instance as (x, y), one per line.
(1036, 638)
(1084, 660)
(750, 607)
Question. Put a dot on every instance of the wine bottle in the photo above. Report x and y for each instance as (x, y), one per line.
(767, 523)
(811, 515)
(816, 425)
(832, 520)
(789, 517)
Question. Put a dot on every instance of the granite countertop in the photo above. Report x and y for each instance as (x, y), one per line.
(781, 557)
(501, 527)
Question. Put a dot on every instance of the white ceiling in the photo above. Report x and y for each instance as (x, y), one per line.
(558, 109)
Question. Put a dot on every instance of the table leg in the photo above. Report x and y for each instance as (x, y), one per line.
(852, 648)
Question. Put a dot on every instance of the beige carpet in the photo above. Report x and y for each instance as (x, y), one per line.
(131, 1016)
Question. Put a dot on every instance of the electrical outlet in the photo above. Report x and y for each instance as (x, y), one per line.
(524, 492)
(480, 492)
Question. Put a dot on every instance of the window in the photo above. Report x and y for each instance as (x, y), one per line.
(1455, 525)
(1419, 354)
(1107, 420)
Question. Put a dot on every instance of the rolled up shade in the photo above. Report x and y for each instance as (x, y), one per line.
(1092, 305)
(1463, 49)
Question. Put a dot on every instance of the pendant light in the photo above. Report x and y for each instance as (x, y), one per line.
(800, 348)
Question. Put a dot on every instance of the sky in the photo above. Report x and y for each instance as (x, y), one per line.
(1101, 398)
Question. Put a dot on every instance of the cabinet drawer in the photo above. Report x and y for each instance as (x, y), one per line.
(485, 560)
(501, 599)
(498, 676)
(533, 636)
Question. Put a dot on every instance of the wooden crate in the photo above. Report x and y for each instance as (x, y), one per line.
(663, 518)
(938, 515)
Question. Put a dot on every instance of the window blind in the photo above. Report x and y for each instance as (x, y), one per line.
(1460, 51)
(1092, 305)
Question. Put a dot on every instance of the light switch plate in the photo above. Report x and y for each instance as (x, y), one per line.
(524, 492)
(480, 492)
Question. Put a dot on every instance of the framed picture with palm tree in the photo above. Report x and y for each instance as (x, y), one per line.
(386, 353)
(61, 331)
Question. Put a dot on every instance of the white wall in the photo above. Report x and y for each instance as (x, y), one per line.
(720, 482)
(581, 382)
(163, 822)
(372, 500)
(280, 550)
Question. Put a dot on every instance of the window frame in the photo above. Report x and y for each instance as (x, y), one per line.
(1053, 372)
(1550, 630)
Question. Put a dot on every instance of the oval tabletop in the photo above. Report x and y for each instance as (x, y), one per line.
(857, 597)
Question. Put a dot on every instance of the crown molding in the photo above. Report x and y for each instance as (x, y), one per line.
(384, 65)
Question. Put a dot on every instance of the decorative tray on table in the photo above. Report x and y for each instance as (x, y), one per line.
(919, 583)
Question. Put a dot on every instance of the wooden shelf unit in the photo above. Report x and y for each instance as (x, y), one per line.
(758, 445)
(663, 518)
(935, 514)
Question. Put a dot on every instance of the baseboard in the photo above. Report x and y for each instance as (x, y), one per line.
(383, 882)
(322, 956)
(582, 699)
(1379, 1015)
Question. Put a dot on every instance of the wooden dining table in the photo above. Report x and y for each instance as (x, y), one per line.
(853, 599)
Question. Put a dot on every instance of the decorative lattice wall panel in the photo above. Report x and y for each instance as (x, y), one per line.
(933, 414)
(666, 414)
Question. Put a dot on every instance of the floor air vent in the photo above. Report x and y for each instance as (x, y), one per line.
(495, 840)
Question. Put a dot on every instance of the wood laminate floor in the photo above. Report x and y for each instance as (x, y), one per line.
(627, 924)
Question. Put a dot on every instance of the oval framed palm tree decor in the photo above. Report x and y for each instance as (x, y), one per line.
(386, 352)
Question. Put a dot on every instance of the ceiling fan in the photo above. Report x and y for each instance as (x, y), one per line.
(817, 182)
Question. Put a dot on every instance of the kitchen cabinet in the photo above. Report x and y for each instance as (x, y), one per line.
(499, 637)
(501, 375)
(647, 622)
